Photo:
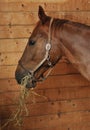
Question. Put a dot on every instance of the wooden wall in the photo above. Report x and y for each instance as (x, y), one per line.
(68, 104)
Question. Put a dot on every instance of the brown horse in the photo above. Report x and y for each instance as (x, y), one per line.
(50, 41)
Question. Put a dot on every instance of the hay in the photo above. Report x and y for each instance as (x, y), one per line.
(17, 117)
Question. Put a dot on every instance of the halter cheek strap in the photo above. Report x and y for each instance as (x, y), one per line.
(46, 57)
(48, 48)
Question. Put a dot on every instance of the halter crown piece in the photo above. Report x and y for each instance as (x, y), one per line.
(30, 75)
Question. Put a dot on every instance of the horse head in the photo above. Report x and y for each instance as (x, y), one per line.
(41, 53)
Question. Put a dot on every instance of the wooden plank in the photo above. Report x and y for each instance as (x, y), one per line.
(31, 1)
(7, 72)
(29, 18)
(64, 81)
(73, 126)
(80, 125)
(47, 108)
(53, 95)
(8, 85)
(9, 58)
(58, 120)
(19, 18)
(59, 69)
(15, 31)
(12, 45)
(65, 93)
(63, 5)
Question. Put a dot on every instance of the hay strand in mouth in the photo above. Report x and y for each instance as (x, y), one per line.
(17, 117)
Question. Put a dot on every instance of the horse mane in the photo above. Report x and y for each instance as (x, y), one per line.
(79, 25)
(59, 22)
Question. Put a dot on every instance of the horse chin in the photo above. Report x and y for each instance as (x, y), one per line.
(31, 85)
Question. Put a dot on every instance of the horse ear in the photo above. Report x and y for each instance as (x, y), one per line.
(41, 14)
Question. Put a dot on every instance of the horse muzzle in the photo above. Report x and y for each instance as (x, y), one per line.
(31, 84)
(25, 79)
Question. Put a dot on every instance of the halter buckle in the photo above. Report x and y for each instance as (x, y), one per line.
(48, 46)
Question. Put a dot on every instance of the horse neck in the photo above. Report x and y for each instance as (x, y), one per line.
(74, 44)
(59, 31)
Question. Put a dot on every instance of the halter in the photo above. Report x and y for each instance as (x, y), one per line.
(30, 73)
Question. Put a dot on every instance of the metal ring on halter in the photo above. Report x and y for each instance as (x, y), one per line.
(48, 46)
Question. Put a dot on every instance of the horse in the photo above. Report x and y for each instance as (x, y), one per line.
(51, 40)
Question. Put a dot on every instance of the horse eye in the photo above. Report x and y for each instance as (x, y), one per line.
(31, 42)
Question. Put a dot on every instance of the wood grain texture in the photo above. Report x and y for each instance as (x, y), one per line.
(74, 120)
(58, 94)
(49, 108)
(12, 45)
(29, 18)
(24, 6)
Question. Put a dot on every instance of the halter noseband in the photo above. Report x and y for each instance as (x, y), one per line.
(46, 58)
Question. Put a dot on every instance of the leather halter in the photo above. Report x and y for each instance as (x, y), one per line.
(30, 73)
